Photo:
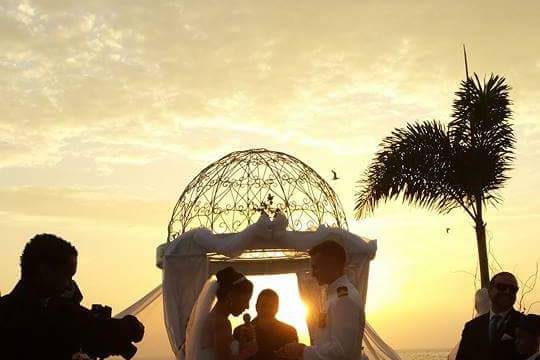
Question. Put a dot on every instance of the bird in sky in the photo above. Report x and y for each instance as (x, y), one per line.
(335, 175)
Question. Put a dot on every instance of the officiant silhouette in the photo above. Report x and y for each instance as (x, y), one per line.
(271, 333)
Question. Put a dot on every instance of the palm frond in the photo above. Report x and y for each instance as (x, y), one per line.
(414, 162)
(481, 135)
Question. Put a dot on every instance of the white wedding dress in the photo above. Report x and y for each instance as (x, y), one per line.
(205, 301)
(197, 319)
(194, 332)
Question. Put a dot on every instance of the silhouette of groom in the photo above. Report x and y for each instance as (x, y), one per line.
(271, 333)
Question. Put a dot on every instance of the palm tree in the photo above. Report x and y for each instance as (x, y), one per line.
(443, 167)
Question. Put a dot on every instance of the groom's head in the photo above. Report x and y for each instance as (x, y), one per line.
(327, 262)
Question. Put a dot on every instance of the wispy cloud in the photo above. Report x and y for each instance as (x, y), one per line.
(98, 205)
(115, 75)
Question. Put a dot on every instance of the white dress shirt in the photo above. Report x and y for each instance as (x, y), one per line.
(502, 314)
(502, 320)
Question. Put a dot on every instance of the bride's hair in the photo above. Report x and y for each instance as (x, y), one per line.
(231, 280)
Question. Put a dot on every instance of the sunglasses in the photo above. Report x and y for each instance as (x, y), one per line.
(504, 287)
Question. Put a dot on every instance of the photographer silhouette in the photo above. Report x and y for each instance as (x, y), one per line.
(42, 317)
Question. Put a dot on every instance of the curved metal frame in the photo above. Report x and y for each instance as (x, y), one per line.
(229, 194)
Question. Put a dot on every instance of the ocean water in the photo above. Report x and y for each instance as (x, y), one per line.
(439, 354)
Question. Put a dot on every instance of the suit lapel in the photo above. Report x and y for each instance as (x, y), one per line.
(509, 325)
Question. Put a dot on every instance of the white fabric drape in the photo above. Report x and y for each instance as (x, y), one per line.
(358, 273)
(375, 348)
(149, 310)
(197, 319)
(140, 305)
(183, 279)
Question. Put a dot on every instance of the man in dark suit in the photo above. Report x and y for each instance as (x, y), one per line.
(492, 336)
(271, 333)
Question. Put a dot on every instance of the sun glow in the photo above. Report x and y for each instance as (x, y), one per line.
(291, 309)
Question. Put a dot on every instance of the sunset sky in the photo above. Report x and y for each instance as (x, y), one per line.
(109, 109)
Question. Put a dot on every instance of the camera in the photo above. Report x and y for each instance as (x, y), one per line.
(127, 330)
(101, 311)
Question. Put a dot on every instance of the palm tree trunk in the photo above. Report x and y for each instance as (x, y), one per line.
(481, 243)
(482, 253)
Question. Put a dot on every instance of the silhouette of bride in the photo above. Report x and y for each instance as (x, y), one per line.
(209, 331)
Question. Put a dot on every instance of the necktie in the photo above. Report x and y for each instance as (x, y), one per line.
(494, 327)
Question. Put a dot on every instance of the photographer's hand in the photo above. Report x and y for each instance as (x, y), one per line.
(135, 328)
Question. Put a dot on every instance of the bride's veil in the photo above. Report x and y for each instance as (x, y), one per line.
(197, 319)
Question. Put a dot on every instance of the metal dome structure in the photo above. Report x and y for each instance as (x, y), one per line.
(225, 199)
(229, 194)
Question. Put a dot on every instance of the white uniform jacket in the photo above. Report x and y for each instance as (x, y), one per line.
(341, 327)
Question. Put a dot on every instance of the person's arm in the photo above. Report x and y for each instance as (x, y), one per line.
(97, 336)
(291, 335)
(115, 337)
(223, 340)
(347, 327)
(464, 344)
